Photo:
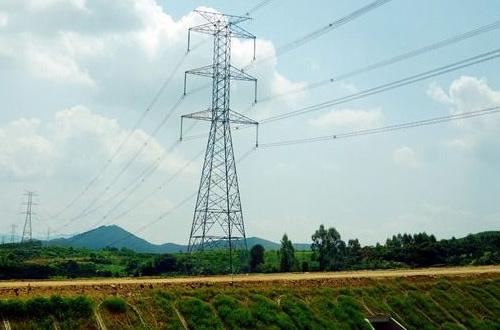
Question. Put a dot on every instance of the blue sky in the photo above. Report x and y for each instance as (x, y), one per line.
(76, 75)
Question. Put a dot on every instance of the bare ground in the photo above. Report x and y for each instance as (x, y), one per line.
(134, 286)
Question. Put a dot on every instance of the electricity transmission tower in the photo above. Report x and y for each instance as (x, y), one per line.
(12, 233)
(218, 219)
(27, 231)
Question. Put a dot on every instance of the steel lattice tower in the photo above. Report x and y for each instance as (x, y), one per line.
(218, 218)
(27, 231)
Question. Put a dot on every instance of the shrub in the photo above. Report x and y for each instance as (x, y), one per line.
(59, 307)
(115, 305)
(81, 307)
(39, 307)
(13, 308)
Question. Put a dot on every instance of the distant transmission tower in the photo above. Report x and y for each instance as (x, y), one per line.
(12, 233)
(27, 231)
(218, 218)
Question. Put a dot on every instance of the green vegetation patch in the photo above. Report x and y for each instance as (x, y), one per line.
(232, 314)
(44, 313)
(427, 305)
(198, 314)
(166, 317)
(115, 305)
(268, 314)
(56, 306)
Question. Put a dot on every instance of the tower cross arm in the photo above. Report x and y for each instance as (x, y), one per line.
(205, 115)
(234, 117)
(238, 118)
(205, 71)
(214, 17)
(207, 28)
(237, 74)
(239, 32)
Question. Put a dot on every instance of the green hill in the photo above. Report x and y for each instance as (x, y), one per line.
(115, 236)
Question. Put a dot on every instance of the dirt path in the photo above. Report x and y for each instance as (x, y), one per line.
(82, 286)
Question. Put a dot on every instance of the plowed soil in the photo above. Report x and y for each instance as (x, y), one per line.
(134, 286)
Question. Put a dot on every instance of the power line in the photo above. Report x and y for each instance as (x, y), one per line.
(124, 141)
(376, 90)
(392, 60)
(175, 207)
(257, 7)
(90, 207)
(323, 30)
(134, 157)
(127, 138)
(309, 37)
(133, 190)
(147, 197)
(389, 86)
(162, 185)
(385, 129)
(147, 174)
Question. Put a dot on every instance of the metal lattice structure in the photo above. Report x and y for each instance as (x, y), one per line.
(27, 231)
(218, 218)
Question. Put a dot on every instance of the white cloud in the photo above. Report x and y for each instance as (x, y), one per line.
(349, 119)
(73, 40)
(479, 134)
(3, 20)
(24, 151)
(57, 66)
(77, 142)
(121, 47)
(437, 93)
(406, 156)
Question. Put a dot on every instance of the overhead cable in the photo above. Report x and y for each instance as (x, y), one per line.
(322, 31)
(390, 61)
(124, 141)
(491, 55)
(257, 7)
(385, 129)
(174, 208)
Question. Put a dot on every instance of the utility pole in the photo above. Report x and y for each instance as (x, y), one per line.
(218, 218)
(12, 232)
(27, 231)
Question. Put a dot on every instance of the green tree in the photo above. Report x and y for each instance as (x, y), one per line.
(328, 248)
(353, 254)
(256, 256)
(288, 261)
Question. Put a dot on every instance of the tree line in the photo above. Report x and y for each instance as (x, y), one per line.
(330, 253)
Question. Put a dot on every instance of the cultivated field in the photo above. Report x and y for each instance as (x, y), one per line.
(100, 287)
(430, 299)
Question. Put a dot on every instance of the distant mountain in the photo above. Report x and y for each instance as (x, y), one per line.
(269, 245)
(118, 237)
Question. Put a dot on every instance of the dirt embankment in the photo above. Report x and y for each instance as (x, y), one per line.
(134, 286)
